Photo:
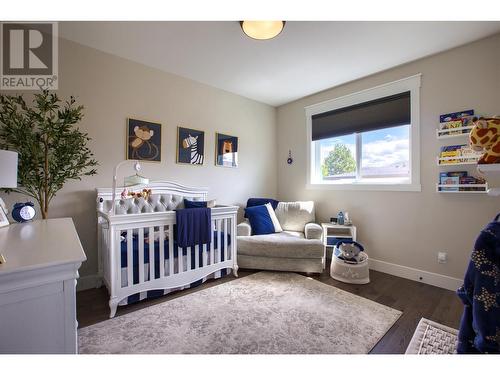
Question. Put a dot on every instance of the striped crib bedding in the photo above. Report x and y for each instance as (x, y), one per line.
(177, 251)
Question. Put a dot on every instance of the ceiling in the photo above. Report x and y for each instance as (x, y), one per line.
(305, 58)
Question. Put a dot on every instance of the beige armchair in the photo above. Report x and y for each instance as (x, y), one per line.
(298, 248)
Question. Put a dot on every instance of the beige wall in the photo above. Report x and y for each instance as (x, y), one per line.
(408, 228)
(112, 89)
(404, 228)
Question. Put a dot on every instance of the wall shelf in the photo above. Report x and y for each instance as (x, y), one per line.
(489, 169)
(492, 173)
(484, 188)
(458, 160)
(469, 158)
(462, 131)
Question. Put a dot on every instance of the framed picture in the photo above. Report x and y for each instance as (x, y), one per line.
(226, 150)
(143, 140)
(190, 146)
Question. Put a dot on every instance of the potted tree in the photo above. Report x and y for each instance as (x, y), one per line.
(51, 148)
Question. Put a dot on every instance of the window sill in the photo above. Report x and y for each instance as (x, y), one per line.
(366, 187)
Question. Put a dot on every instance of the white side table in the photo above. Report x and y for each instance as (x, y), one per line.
(334, 232)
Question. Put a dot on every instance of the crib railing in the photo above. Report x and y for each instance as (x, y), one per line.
(148, 265)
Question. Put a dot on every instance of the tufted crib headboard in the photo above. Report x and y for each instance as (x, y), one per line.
(165, 196)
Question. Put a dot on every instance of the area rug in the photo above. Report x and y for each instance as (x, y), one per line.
(433, 338)
(264, 313)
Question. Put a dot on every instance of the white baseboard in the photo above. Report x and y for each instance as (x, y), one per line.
(425, 277)
(87, 282)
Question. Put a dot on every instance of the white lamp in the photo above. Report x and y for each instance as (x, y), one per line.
(8, 179)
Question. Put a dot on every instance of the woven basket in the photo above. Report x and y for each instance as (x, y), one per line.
(351, 273)
(433, 338)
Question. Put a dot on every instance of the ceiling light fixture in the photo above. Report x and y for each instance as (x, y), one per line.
(262, 30)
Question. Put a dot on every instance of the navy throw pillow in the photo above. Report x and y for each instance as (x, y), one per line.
(252, 202)
(194, 204)
(260, 220)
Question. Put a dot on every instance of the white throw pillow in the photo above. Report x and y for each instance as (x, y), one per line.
(294, 216)
(274, 219)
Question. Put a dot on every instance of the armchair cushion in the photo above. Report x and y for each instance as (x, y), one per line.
(244, 229)
(285, 244)
(313, 231)
(294, 216)
(263, 219)
(252, 202)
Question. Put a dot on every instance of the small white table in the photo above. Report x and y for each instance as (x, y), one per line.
(37, 286)
(335, 231)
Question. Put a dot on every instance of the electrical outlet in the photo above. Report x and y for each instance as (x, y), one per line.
(442, 257)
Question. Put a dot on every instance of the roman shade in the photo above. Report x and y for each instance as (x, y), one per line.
(376, 114)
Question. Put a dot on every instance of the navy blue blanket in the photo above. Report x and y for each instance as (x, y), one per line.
(480, 294)
(193, 226)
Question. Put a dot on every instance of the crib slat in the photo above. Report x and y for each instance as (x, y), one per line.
(140, 264)
(219, 246)
(219, 240)
(180, 252)
(212, 244)
(115, 261)
(225, 239)
(204, 255)
(151, 253)
(188, 257)
(197, 256)
(229, 238)
(130, 258)
(170, 250)
(162, 250)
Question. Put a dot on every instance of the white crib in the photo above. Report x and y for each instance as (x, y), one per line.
(137, 221)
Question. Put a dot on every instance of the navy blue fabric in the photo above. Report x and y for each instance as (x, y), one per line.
(480, 324)
(252, 202)
(260, 221)
(156, 250)
(194, 204)
(193, 226)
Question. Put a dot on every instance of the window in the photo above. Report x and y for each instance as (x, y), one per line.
(366, 141)
(385, 154)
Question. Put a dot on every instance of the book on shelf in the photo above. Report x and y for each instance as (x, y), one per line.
(455, 115)
(450, 125)
(468, 180)
(459, 153)
(460, 178)
(451, 121)
(449, 180)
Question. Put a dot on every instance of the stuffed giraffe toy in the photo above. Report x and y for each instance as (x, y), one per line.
(485, 135)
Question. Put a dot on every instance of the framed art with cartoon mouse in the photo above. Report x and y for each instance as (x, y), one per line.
(143, 140)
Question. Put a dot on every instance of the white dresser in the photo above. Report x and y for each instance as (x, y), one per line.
(37, 286)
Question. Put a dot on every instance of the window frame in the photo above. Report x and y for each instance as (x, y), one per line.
(411, 84)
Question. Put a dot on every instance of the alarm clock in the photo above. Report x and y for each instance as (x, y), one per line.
(23, 212)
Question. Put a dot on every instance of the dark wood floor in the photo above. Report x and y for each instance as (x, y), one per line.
(415, 300)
